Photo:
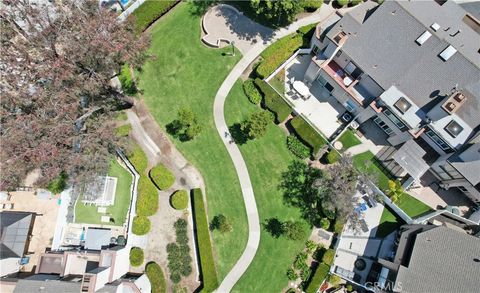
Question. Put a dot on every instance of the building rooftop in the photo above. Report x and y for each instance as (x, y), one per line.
(442, 260)
(96, 238)
(467, 163)
(416, 70)
(15, 228)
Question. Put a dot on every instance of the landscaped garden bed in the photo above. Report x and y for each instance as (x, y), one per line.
(273, 101)
(156, 277)
(306, 133)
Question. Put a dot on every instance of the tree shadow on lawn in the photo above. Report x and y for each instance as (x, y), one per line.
(274, 226)
(238, 136)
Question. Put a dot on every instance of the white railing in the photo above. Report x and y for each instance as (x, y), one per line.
(298, 52)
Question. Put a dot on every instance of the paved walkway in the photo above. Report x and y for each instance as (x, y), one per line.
(218, 111)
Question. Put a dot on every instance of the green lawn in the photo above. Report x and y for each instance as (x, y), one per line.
(187, 73)
(388, 223)
(359, 162)
(348, 139)
(266, 159)
(88, 213)
(412, 206)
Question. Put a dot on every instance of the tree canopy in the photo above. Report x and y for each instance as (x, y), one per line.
(280, 12)
(57, 62)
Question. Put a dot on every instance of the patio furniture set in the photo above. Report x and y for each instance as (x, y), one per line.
(298, 89)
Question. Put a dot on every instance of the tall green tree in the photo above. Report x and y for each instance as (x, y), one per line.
(256, 125)
(280, 12)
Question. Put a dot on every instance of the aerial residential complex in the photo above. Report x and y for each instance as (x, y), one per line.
(412, 69)
(249, 146)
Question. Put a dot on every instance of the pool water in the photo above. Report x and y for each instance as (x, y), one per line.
(124, 2)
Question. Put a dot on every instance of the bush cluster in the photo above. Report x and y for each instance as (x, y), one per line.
(307, 133)
(332, 157)
(252, 92)
(179, 260)
(273, 101)
(141, 225)
(207, 264)
(58, 184)
(126, 80)
(162, 177)
(297, 147)
(156, 277)
(150, 11)
(136, 256)
(342, 3)
(221, 223)
(328, 257)
(179, 199)
(324, 223)
(147, 201)
(311, 5)
(319, 276)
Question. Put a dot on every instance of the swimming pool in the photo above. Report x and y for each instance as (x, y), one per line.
(124, 2)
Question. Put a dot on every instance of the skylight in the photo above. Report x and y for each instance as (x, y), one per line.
(447, 53)
(435, 26)
(453, 128)
(402, 105)
(423, 38)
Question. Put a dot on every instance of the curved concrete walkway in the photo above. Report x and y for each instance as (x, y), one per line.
(241, 168)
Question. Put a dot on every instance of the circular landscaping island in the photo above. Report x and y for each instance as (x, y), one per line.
(179, 199)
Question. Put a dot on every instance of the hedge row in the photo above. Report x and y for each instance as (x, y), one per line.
(150, 11)
(138, 159)
(156, 278)
(147, 201)
(278, 53)
(207, 264)
(273, 101)
(320, 274)
(252, 92)
(307, 133)
(311, 5)
(297, 147)
(162, 177)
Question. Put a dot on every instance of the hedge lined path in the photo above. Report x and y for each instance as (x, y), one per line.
(218, 111)
(159, 149)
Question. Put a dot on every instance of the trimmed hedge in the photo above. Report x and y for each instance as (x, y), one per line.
(207, 264)
(320, 274)
(307, 134)
(311, 5)
(179, 199)
(141, 225)
(150, 11)
(273, 101)
(278, 53)
(156, 277)
(297, 147)
(328, 257)
(147, 201)
(251, 91)
(136, 256)
(162, 177)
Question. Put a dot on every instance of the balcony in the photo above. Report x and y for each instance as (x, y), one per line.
(346, 82)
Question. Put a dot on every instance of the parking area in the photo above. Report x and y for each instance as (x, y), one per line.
(46, 208)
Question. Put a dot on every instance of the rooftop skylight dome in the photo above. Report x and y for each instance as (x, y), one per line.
(453, 128)
(402, 105)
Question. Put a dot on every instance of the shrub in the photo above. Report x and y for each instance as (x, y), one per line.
(293, 230)
(126, 80)
(278, 53)
(58, 184)
(324, 223)
(332, 157)
(136, 256)
(349, 287)
(273, 101)
(334, 280)
(320, 274)
(162, 177)
(150, 11)
(186, 126)
(311, 5)
(342, 3)
(207, 264)
(156, 277)
(221, 223)
(300, 260)
(328, 256)
(141, 225)
(297, 147)
(328, 211)
(179, 199)
(355, 2)
(138, 159)
(291, 274)
(311, 246)
(123, 130)
(252, 92)
(256, 125)
(179, 260)
(338, 226)
(147, 201)
(307, 133)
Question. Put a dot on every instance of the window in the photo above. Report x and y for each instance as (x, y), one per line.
(453, 128)
(394, 119)
(338, 53)
(402, 105)
(383, 125)
(329, 87)
(433, 136)
(315, 49)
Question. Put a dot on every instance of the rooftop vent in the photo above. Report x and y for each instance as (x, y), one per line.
(423, 38)
(454, 102)
(453, 128)
(435, 26)
(447, 53)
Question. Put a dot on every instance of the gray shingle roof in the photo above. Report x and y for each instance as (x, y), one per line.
(384, 47)
(14, 230)
(442, 260)
(50, 286)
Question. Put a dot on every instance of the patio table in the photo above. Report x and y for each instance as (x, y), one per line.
(301, 88)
